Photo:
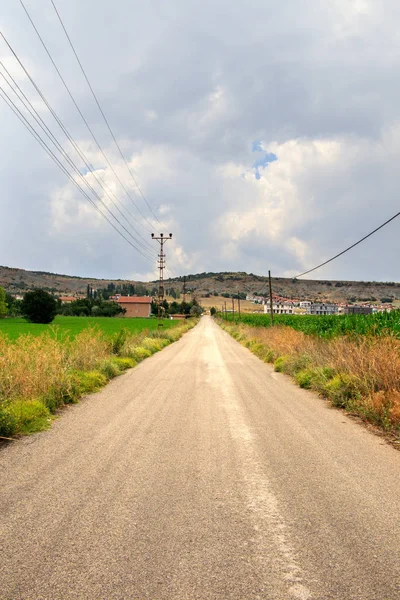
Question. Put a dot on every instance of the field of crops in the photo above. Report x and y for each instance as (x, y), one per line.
(331, 326)
(13, 328)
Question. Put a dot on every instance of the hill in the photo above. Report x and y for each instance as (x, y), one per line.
(201, 284)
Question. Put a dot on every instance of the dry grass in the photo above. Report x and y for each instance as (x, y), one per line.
(361, 375)
(38, 374)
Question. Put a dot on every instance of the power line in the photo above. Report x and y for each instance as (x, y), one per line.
(84, 119)
(33, 112)
(38, 138)
(102, 112)
(350, 247)
(89, 166)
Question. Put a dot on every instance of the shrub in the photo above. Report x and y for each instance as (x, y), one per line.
(124, 362)
(39, 307)
(280, 363)
(89, 381)
(304, 378)
(8, 423)
(342, 389)
(119, 340)
(30, 416)
(110, 369)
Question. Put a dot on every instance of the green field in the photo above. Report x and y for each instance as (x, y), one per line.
(13, 328)
(331, 326)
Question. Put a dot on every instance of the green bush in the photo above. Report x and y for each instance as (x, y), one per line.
(8, 423)
(119, 340)
(280, 363)
(110, 369)
(304, 378)
(30, 416)
(124, 362)
(138, 353)
(90, 381)
(342, 389)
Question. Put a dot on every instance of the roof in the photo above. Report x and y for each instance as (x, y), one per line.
(134, 300)
(67, 298)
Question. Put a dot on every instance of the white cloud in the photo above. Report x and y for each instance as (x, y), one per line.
(187, 92)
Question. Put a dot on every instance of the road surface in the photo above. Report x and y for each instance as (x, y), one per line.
(201, 474)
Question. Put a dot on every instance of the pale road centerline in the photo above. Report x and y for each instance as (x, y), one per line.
(200, 474)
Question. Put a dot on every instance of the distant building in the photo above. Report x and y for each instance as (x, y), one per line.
(177, 317)
(135, 306)
(357, 310)
(304, 304)
(67, 299)
(279, 308)
(322, 309)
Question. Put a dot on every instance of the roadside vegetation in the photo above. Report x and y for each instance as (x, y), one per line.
(39, 374)
(359, 373)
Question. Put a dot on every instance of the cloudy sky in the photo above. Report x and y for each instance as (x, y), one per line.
(263, 134)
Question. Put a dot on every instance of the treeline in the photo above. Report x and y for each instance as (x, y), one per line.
(191, 308)
(127, 289)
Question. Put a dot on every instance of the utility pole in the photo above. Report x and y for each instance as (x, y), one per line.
(225, 309)
(161, 265)
(271, 308)
(184, 289)
(233, 309)
(239, 306)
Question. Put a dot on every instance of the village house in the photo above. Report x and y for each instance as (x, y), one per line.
(279, 308)
(67, 299)
(320, 308)
(135, 306)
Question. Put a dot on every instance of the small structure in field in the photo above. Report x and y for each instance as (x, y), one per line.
(135, 306)
(178, 317)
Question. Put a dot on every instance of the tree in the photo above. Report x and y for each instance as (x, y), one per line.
(196, 310)
(39, 307)
(3, 303)
(213, 311)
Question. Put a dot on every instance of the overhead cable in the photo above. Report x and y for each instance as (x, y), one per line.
(350, 247)
(85, 120)
(102, 112)
(39, 139)
(35, 115)
(88, 165)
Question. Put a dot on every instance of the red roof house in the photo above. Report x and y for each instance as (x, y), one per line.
(135, 306)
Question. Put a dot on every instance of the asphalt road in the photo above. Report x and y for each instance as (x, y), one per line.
(201, 474)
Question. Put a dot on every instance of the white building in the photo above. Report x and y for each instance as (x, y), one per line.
(316, 308)
(304, 304)
(279, 308)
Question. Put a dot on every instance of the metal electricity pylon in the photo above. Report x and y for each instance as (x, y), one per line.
(161, 265)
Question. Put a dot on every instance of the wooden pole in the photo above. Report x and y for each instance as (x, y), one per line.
(233, 309)
(270, 298)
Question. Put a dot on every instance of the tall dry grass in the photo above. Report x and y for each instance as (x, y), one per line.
(360, 374)
(38, 374)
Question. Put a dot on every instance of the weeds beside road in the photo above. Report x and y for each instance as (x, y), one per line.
(40, 374)
(360, 374)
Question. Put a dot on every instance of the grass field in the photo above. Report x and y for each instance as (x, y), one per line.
(13, 328)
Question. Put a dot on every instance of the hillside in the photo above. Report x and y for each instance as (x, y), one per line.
(19, 280)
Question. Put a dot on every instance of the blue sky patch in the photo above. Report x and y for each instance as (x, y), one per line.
(263, 162)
